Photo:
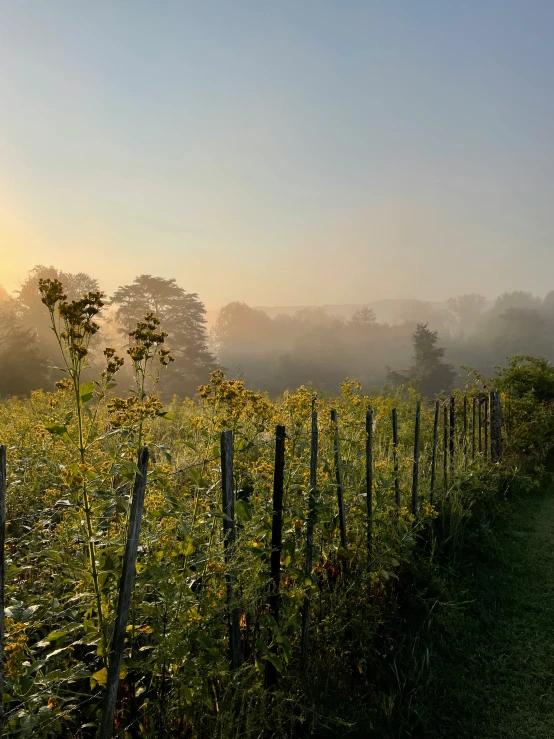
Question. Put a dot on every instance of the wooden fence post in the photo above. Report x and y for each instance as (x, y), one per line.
(369, 482)
(486, 424)
(473, 420)
(452, 437)
(124, 600)
(480, 406)
(465, 430)
(228, 500)
(445, 447)
(415, 473)
(3, 486)
(276, 541)
(310, 532)
(338, 477)
(395, 456)
(499, 441)
(434, 453)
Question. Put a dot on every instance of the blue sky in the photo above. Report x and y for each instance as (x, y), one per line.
(280, 153)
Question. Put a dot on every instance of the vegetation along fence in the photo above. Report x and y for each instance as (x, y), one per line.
(275, 526)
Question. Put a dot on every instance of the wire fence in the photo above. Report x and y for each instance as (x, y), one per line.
(313, 531)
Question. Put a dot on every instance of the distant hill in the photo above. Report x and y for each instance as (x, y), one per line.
(386, 311)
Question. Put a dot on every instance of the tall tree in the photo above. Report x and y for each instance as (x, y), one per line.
(30, 310)
(22, 365)
(363, 318)
(429, 369)
(519, 299)
(182, 315)
(434, 374)
(240, 328)
(466, 311)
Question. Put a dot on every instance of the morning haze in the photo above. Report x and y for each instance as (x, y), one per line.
(276, 369)
(298, 154)
(312, 159)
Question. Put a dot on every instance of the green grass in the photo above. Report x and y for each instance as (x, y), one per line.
(492, 658)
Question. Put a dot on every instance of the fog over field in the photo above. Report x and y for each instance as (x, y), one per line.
(280, 348)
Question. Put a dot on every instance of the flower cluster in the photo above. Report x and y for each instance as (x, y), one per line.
(16, 648)
(113, 362)
(430, 511)
(77, 316)
(129, 411)
(148, 340)
(52, 292)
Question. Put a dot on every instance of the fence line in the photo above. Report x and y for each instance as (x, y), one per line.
(486, 417)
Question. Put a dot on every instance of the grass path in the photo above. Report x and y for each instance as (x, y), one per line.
(493, 659)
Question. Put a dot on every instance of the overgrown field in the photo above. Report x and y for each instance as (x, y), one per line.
(71, 464)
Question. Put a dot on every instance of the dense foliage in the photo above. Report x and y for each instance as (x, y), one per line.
(278, 349)
(72, 460)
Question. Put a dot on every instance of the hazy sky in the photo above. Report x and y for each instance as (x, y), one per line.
(284, 152)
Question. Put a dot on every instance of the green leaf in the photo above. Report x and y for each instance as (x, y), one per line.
(276, 661)
(244, 510)
(186, 547)
(287, 551)
(56, 652)
(100, 677)
(56, 429)
(86, 391)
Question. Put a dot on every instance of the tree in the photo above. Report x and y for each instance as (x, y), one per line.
(30, 310)
(428, 368)
(466, 311)
(519, 299)
(363, 318)
(22, 366)
(240, 328)
(434, 374)
(182, 315)
(522, 331)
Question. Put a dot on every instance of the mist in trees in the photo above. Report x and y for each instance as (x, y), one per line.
(182, 316)
(429, 370)
(424, 342)
(28, 348)
(389, 342)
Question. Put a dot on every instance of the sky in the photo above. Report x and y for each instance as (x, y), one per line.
(281, 153)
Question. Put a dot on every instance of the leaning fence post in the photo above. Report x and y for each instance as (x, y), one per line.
(228, 500)
(3, 485)
(276, 541)
(395, 456)
(415, 474)
(369, 482)
(310, 532)
(452, 436)
(434, 453)
(338, 477)
(445, 446)
(125, 592)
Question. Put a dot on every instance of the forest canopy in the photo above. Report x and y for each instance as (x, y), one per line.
(420, 342)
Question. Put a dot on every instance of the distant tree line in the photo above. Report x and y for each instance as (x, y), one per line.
(28, 348)
(424, 343)
(312, 346)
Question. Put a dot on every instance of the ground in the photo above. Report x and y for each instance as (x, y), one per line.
(492, 657)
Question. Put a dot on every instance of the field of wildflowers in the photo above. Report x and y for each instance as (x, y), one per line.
(71, 464)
